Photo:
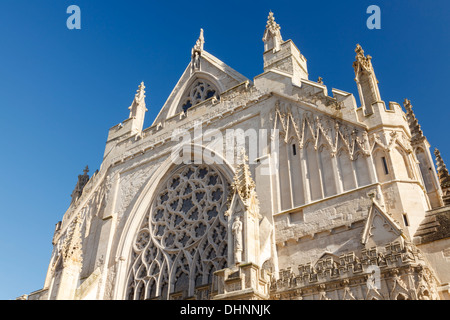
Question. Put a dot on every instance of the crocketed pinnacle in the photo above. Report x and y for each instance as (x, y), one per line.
(140, 93)
(444, 177)
(139, 100)
(200, 42)
(243, 182)
(361, 59)
(83, 179)
(413, 123)
(272, 25)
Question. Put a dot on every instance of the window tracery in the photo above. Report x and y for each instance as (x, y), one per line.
(183, 238)
(201, 90)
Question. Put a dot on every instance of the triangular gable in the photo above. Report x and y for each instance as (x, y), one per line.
(212, 70)
(380, 228)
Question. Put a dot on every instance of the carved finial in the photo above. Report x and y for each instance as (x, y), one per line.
(139, 100)
(359, 51)
(200, 42)
(271, 24)
(83, 179)
(272, 36)
(140, 95)
(361, 59)
(320, 80)
(413, 123)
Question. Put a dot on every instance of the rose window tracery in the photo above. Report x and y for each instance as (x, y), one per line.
(183, 238)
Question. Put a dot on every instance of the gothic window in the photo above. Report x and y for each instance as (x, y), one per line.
(405, 219)
(199, 91)
(385, 166)
(381, 165)
(425, 169)
(183, 238)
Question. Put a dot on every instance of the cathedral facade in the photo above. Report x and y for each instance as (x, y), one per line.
(259, 189)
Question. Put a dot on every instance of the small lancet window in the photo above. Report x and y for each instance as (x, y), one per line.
(405, 220)
(294, 150)
(385, 166)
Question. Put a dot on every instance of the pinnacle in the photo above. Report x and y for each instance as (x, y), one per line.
(413, 123)
(200, 42)
(141, 88)
(440, 162)
(444, 177)
(243, 180)
(271, 24)
(140, 93)
(359, 50)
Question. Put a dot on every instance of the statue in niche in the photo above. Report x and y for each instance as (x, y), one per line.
(196, 60)
(237, 234)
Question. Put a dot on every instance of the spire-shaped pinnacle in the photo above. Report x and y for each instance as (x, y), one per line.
(413, 123)
(444, 177)
(443, 174)
(243, 182)
(139, 99)
(83, 179)
(272, 36)
(140, 93)
(200, 42)
(361, 59)
(271, 24)
(359, 51)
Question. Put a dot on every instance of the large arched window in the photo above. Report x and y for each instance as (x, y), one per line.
(200, 90)
(183, 238)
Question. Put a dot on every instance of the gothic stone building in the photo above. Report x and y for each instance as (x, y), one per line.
(346, 205)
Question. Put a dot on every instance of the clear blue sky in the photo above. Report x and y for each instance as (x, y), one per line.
(61, 90)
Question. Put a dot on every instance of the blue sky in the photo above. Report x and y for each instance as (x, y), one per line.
(61, 90)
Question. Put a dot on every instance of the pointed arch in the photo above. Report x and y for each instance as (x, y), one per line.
(403, 166)
(312, 170)
(284, 174)
(361, 166)
(424, 166)
(295, 168)
(327, 169)
(202, 86)
(382, 164)
(345, 168)
(164, 246)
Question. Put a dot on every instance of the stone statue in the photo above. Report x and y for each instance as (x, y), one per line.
(371, 282)
(196, 60)
(237, 233)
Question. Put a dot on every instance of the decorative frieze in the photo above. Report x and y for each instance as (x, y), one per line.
(352, 272)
